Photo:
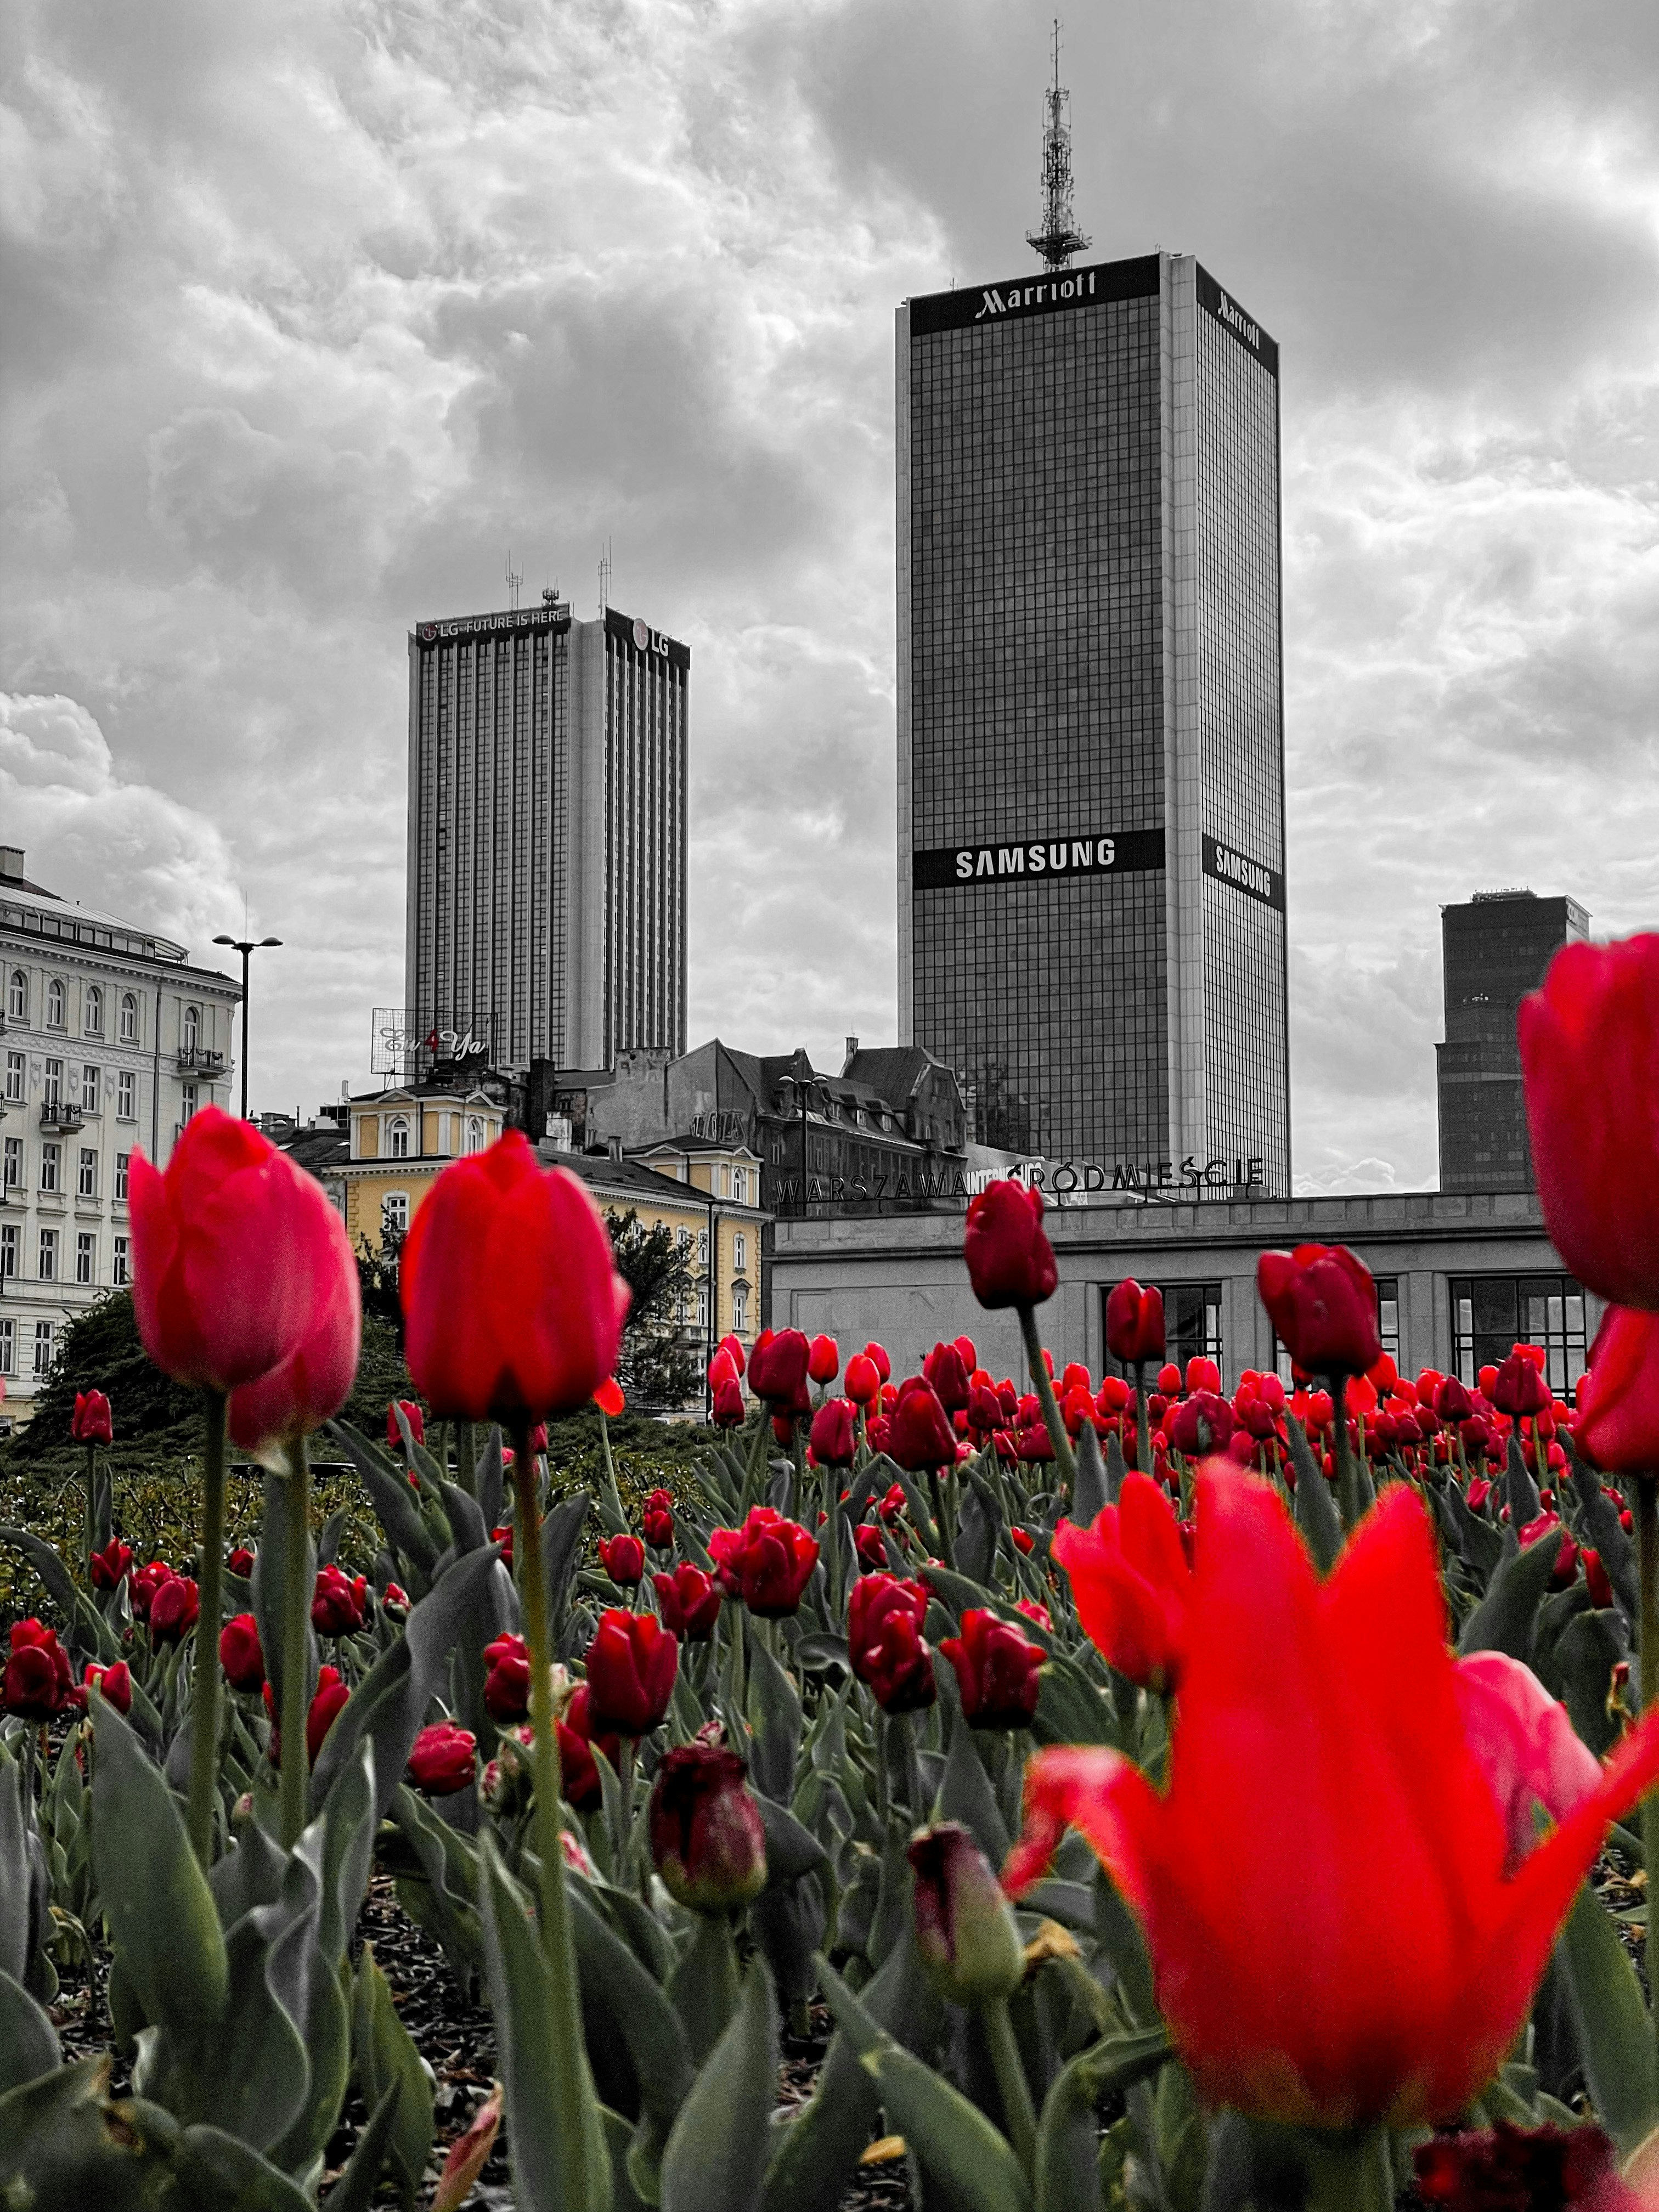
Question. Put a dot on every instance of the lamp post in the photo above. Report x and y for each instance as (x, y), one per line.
(247, 947)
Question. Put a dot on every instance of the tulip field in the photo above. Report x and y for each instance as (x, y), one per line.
(1045, 1793)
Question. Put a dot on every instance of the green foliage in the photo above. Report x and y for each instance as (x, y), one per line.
(654, 1366)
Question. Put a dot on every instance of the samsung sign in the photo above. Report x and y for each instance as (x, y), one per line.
(1097, 853)
(1227, 866)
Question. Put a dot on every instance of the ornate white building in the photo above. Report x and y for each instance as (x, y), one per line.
(110, 1040)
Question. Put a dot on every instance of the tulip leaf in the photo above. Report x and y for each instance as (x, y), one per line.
(792, 1851)
(355, 2187)
(383, 2055)
(562, 1534)
(391, 1498)
(613, 1979)
(1479, 1544)
(451, 1884)
(1115, 1468)
(15, 1938)
(55, 2150)
(1067, 2171)
(491, 1479)
(212, 2167)
(1090, 1495)
(87, 1630)
(1070, 1708)
(967, 1795)
(717, 2149)
(1589, 1649)
(162, 1918)
(1614, 2033)
(1317, 1515)
(952, 2140)
(1612, 1546)
(1520, 1490)
(774, 1719)
(29, 2042)
(1504, 1619)
(270, 1571)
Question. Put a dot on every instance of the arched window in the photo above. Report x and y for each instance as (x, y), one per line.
(128, 1018)
(192, 1029)
(93, 1011)
(17, 996)
(394, 1212)
(55, 1004)
(740, 1309)
(397, 1137)
(475, 1134)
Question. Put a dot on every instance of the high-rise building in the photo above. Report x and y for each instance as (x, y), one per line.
(547, 841)
(1090, 734)
(1495, 950)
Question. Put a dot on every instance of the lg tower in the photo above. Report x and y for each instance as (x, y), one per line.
(1090, 720)
(547, 837)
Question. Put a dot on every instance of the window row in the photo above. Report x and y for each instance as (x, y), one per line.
(82, 1083)
(54, 1169)
(55, 1260)
(45, 1345)
(92, 1008)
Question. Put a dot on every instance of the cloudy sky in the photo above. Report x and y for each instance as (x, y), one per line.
(312, 311)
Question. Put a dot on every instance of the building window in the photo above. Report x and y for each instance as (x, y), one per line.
(1490, 1313)
(93, 1011)
(17, 997)
(122, 1164)
(1192, 1325)
(1387, 1330)
(9, 1249)
(13, 1164)
(126, 1096)
(475, 1135)
(49, 1256)
(394, 1212)
(86, 1257)
(703, 1248)
(740, 1309)
(128, 1018)
(51, 1096)
(740, 1251)
(703, 1308)
(17, 1068)
(88, 1089)
(397, 1137)
(55, 1004)
(86, 1173)
(51, 1179)
(121, 1269)
(192, 1029)
(740, 1186)
(8, 1347)
(187, 1101)
(42, 1347)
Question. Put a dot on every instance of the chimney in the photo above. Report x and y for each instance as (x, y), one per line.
(852, 1048)
(11, 863)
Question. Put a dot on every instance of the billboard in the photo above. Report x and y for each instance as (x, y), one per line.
(406, 1042)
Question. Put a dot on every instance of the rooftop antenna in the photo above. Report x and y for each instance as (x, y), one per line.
(1059, 238)
(514, 579)
(605, 578)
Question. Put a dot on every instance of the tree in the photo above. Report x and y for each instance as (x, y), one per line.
(656, 1365)
(99, 1350)
(377, 1277)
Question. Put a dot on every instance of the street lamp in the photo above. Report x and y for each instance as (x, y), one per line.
(247, 947)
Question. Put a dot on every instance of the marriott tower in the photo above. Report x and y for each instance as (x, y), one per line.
(1090, 722)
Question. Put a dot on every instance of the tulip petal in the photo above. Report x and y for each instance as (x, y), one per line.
(1104, 1794)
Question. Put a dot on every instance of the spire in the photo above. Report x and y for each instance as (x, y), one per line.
(1057, 240)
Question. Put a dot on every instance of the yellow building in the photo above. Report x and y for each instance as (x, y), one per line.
(400, 1142)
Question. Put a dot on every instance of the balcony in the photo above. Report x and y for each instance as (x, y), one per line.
(62, 1115)
(198, 1059)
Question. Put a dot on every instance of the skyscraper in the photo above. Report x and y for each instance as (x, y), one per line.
(547, 837)
(1091, 735)
(1495, 950)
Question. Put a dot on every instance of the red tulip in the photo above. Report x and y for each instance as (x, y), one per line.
(1618, 1425)
(1597, 1580)
(729, 1412)
(513, 1305)
(657, 1521)
(920, 1435)
(113, 1684)
(689, 1601)
(631, 1663)
(145, 1584)
(1589, 1062)
(1323, 1302)
(1335, 1939)
(733, 1347)
(506, 1679)
(239, 1562)
(394, 1601)
(91, 1422)
(110, 1565)
(338, 1602)
(1504, 2168)
(894, 1503)
(778, 1367)
(996, 1670)
(1131, 1584)
(608, 1398)
(1527, 1744)
(863, 1379)
(869, 1602)
(313, 1382)
(1134, 1323)
(622, 1558)
(1033, 1441)
(579, 1777)
(877, 1353)
(884, 1621)
(767, 1563)
(412, 1414)
(241, 1654)
(871, 1547)
(834, 1432)
(172, 1610)
(442, 1760)
(231, 1247)
(1520, 1387)
(1202, 1425)
(328, 1702)
(945, 1369)
(824, 1359)
(1010, 1260)
(37, 1681)
(707, 1840)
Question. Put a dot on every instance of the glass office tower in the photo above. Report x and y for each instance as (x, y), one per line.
(1090, 754)
(547, 837)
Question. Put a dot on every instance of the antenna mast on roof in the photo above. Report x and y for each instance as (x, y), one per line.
(1059, 238)
(605, 578)
(514, 579)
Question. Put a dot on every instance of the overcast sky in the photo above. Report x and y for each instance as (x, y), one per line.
(312, 311)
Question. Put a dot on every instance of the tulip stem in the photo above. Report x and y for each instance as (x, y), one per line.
(92, 1509)
(205, 1734)
(570, 2079)
(1045, 1390)
(1647, 1555)
(296, 1614)
(1143, 1422)
(947, 1542)
(1017, 2110)
(466, 1458)
(1347, 1479)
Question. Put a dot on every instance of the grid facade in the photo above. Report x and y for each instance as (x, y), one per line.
(1088, 555)
(547, 835)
